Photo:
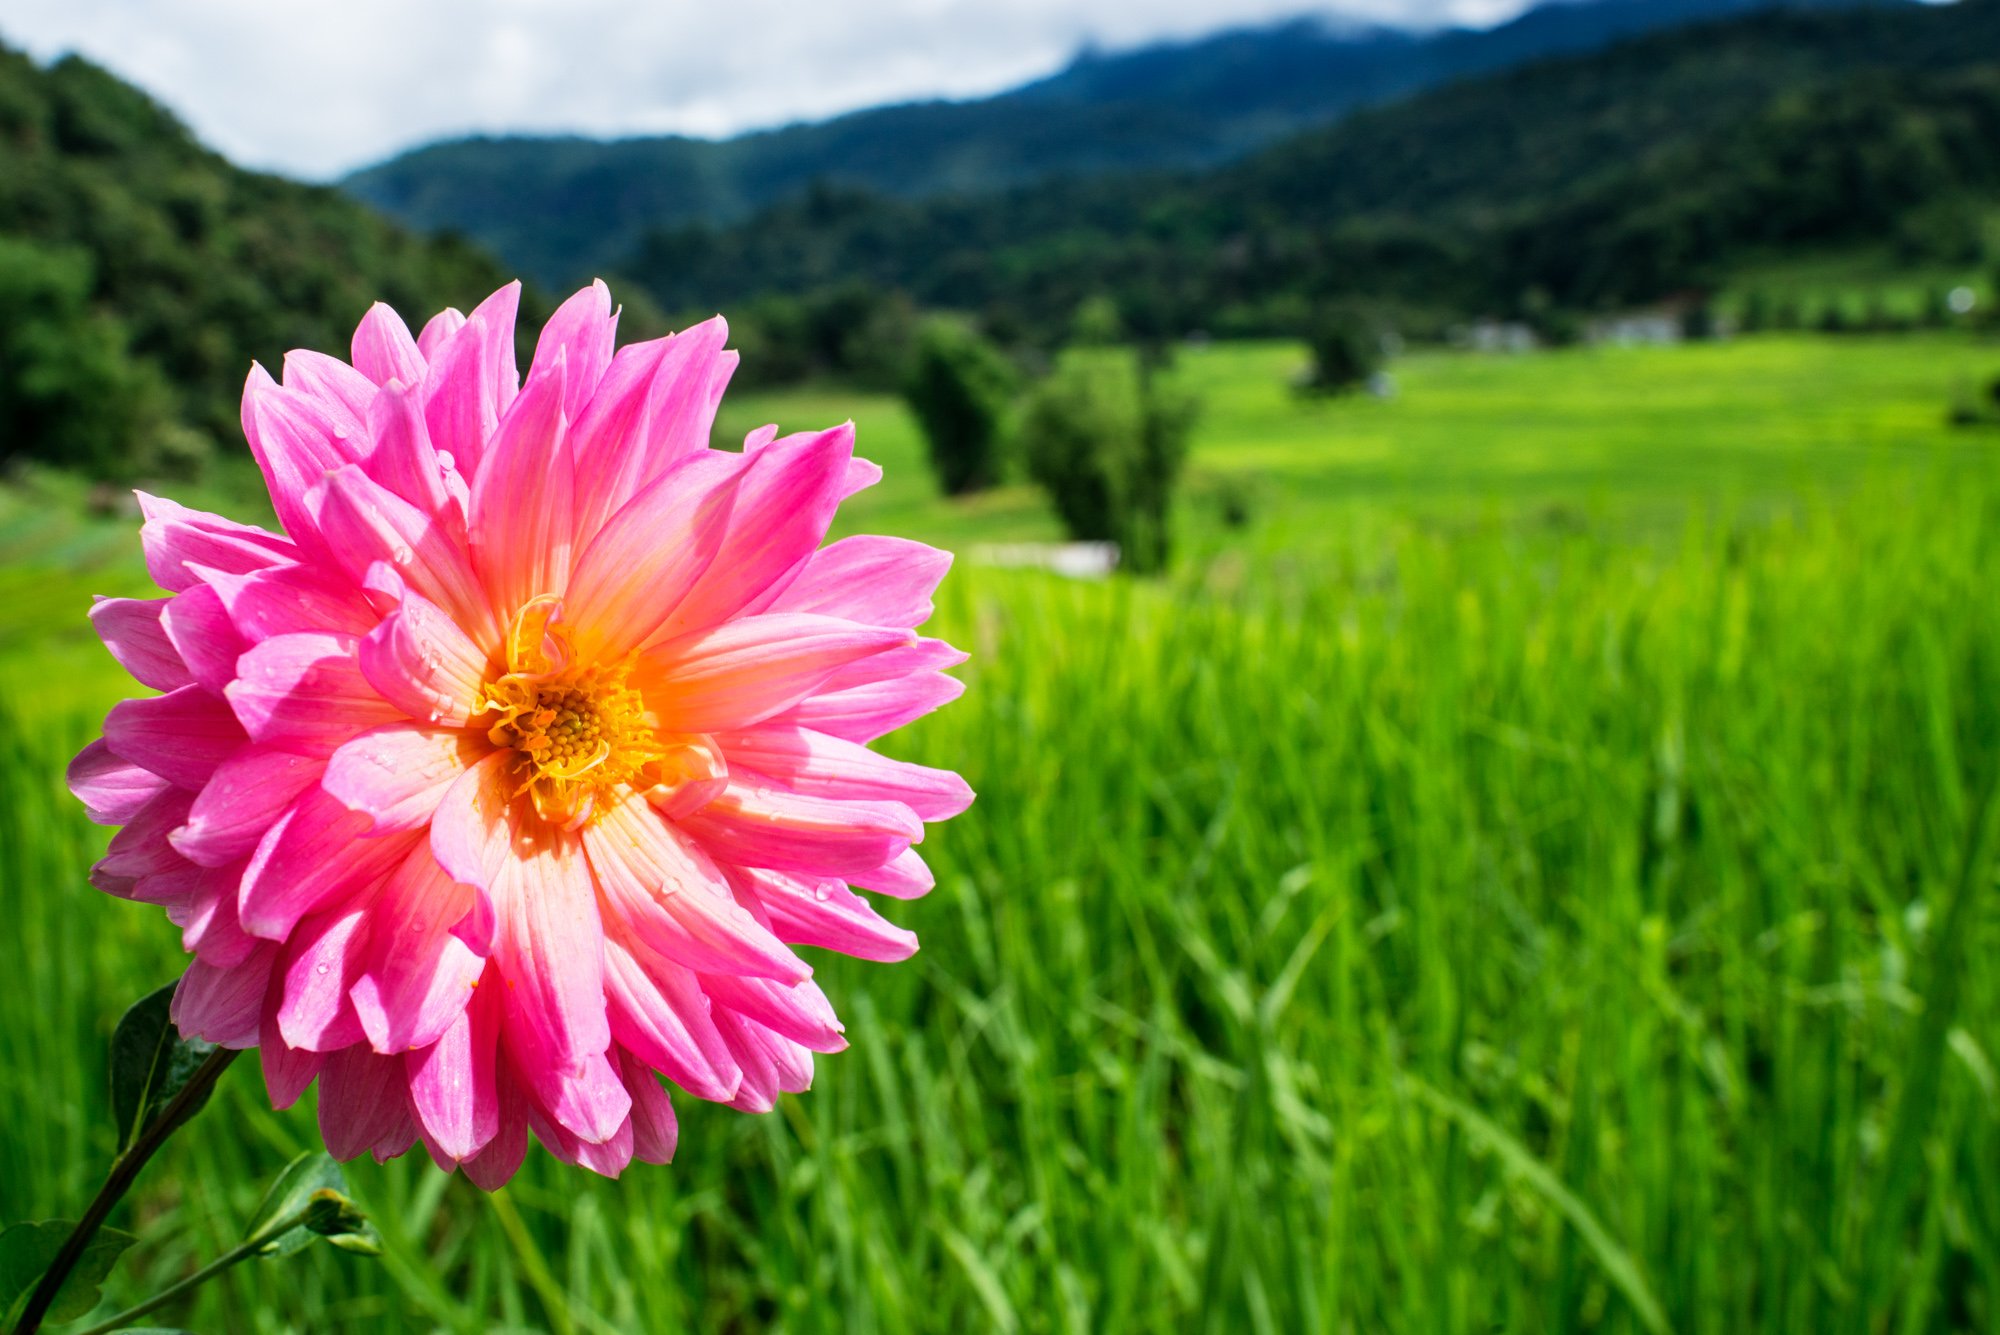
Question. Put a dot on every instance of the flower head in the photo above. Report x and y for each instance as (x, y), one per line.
(507, 778)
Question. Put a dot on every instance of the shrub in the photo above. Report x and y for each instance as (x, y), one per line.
(1108, 444)
(959, 387)
(1346, 349)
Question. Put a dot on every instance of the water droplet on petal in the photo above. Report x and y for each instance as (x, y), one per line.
(820, 891)
(401, 556)
(319, 969)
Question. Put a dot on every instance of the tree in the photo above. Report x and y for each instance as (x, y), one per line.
(71, 393)
(1346, 350)
(1108, 445)
(959, 388)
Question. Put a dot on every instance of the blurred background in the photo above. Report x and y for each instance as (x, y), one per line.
(1476, 533)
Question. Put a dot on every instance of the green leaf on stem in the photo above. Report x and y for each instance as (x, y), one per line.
(150, 1063)
(26, 1251)
(313, 1184)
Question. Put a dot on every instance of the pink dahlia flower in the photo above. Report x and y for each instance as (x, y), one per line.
(506, 780)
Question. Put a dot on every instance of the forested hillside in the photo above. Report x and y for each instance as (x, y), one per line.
(1586, 182)
(564, 208)
(140, 274)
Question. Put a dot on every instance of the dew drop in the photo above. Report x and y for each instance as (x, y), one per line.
(319, 968)
(401, 556)
(820, 892)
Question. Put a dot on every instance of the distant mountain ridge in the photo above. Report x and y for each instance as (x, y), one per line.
(1580, 183)
(564, 208)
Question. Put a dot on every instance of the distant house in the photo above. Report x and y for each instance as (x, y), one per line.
(1680, 316)
(1495, 336)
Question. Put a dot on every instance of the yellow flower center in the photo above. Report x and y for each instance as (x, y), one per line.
(574, 730)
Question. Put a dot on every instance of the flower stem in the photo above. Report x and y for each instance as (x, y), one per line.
(124, 1169)
(250, 1247)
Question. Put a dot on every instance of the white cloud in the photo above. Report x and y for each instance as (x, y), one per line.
(317, 89)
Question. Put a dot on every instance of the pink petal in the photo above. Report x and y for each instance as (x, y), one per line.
(111, 789)
(550, 949)
(742, 672)
(589, 1101)
(285, 599)
(471, 380)
(654, 407)
(824, 913)
(861, 475)
(864, 713)
(247, 792)
(493, 1166)
(198, 625)
(817, 765)
(306, 693)
(362, 1101)
(317, 968)
(397, 774)
(422, 663)
(581, 333)
(454, 1082)
(659, 1011)
(222, 1006)
(521, 526)
(913, 656)
(416, 976)
(654, 1128)
(207, 918)
(608, 1157)
(287, 1070)
(800, 1012)
(141, 848)
(905, 876)
(314, 856)
(405, 462)
(754, 825)
(296, 442)
(783, 507)
(472, 831)
(666, 892)
(364, 523)
(383, 349)
(131, 630)
(340, 390)
(639, 568)
(771, 1065)
(874, 580)
(175, 537)
(438, 331)
(181, 736)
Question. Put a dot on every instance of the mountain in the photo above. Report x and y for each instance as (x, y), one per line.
(140, 273)
(1584, 181)
(565, 208)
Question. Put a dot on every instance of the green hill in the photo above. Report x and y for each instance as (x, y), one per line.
(1589, 181)
(564, 209)
(140, 273)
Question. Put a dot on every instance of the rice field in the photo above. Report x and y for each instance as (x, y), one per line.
(1537, 874)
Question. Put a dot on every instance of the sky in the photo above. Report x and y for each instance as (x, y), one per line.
(317, 89)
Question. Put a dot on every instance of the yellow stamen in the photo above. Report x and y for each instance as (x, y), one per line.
(575, 729)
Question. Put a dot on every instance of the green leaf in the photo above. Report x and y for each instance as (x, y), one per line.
(150, 1063)
(26, 1251)
(313, 1183)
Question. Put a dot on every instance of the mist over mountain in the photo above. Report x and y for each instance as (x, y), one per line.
(564, 208)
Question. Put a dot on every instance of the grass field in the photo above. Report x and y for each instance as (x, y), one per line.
(1538, 875)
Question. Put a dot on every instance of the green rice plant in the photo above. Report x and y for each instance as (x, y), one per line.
(1421, 914)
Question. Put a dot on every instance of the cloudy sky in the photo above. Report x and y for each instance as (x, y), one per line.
(315, 89)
